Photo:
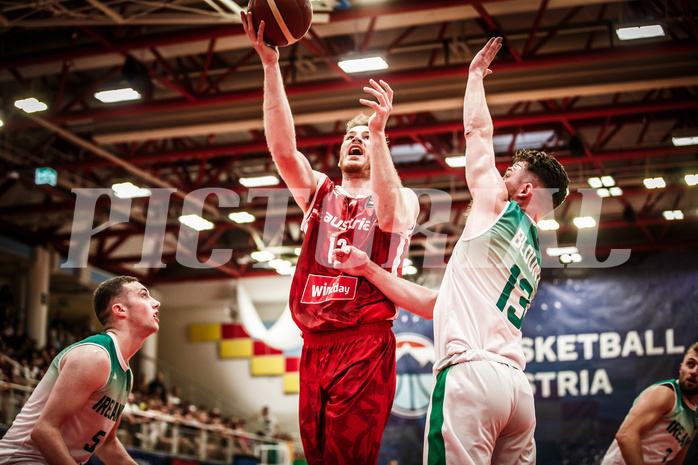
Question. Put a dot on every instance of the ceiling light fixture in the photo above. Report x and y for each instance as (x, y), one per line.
(691, 179)
(548, 225)
(673, 215)
(615, 191)
(683, 141)
(361, 65)
(117, 95)
(584, 222)
(654, 183)
(456, 162)
(289, 271)
(196, 222)
(558, 251)
(262, 255)
(31, 105)
(279, 264)
(259, 181)
(608, 181)
(410, 270)
(595, 182)
(640, 32)
(242, 217)
(127, 190)
(570, 258)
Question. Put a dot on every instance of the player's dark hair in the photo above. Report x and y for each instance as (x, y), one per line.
(105, 293)
(550, 172)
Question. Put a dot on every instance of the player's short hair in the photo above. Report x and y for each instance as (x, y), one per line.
(105, 293)
(693, 348)
(358, 120)
(550, 171)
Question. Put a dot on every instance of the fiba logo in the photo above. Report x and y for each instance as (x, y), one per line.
(414, 357)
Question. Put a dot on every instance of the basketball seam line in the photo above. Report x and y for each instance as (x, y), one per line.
(280, 21)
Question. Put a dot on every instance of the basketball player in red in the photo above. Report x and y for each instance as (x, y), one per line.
(347, 373)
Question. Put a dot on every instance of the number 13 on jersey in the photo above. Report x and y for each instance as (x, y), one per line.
(519, 295)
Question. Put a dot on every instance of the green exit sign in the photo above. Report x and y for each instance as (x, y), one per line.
(45, 176)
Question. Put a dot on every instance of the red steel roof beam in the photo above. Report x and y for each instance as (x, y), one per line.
(207, 64)
(494, 28)
(534, 28)
(367, 36)
(555, 30)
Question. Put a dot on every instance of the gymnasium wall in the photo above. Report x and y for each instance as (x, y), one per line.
(214, 302)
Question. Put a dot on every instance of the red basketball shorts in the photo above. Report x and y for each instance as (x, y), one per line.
(347, 386)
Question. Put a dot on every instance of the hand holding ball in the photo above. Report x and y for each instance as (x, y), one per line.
(285, 21)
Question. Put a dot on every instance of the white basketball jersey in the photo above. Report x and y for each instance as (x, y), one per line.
(83, 433)
(486, 291)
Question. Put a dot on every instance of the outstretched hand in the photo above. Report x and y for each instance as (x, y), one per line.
(382, 108)
(350, 260)
(267, 53)
(483, 59)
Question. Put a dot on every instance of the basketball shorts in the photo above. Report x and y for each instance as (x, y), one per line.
(481, 412)
(347, 386)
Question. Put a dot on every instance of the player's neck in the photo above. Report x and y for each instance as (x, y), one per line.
(692, 400)
(128, 344)
(356, 185)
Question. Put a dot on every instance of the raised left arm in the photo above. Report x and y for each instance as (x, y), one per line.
(396, 207)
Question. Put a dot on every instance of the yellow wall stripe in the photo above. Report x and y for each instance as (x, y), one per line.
(205, 332)
(236, 348)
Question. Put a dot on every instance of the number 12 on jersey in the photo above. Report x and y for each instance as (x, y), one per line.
(341, 243)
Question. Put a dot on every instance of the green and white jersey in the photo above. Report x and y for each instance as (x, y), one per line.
(486, 291)
(665, 438)
(84, 433)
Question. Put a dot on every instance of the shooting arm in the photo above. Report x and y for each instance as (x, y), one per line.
(279, 128)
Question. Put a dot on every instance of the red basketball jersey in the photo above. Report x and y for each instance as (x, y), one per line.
(325, 299)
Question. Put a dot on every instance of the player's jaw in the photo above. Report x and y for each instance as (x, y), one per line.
(689, 386)
(688, 375)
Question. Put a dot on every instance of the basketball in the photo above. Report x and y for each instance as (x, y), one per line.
(286, 21)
